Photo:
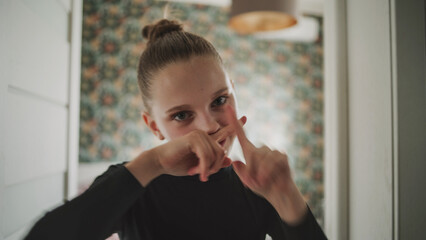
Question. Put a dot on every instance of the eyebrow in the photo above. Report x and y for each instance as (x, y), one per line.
(186, 106)
(219, 91)
(177, 108)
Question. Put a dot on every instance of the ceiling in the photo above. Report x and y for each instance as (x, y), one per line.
(314, 7)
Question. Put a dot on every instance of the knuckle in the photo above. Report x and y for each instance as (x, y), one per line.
(276, 152)
(264, 155)
(279, 155)
(284, 158)
(265, 148)
(257, 154)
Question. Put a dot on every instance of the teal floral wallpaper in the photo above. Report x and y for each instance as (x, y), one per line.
(279, 86)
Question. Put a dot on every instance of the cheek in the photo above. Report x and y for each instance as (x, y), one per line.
(171, 130)
(221, 117)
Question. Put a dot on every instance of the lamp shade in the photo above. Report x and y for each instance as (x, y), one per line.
(251, 16)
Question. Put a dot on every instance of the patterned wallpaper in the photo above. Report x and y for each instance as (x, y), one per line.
(279, 86)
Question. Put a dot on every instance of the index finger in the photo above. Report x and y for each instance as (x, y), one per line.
(245, 143)
(227, 131)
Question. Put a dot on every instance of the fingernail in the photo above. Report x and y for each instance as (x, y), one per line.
(244, 119)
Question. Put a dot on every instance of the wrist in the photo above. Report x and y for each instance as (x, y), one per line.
(154, 162)
(290, 205)
(145, 167)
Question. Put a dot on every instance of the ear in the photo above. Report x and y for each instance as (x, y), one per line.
(232, 82)
(150, 123)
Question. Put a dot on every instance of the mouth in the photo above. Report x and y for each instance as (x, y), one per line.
(222, 143)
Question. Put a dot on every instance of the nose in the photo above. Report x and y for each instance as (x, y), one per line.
(208, 123)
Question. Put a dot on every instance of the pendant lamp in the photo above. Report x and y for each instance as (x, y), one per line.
(252, 16)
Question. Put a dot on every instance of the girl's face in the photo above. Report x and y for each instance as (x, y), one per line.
(189, 95)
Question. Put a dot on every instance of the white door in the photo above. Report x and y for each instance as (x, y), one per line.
(35, 114)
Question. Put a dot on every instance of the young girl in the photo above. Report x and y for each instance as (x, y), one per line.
(187, 188)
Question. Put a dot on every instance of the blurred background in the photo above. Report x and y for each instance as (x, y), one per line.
(343, 92)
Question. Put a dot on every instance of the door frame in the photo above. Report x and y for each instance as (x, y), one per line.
(75, 33)
(336, 195)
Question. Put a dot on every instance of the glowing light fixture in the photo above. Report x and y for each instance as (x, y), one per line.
(251, 16)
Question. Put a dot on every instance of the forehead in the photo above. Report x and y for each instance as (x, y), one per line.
(188, 82)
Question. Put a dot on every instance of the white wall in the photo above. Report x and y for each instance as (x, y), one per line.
(34, 107)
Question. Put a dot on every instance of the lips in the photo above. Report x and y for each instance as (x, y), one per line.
(222, 143)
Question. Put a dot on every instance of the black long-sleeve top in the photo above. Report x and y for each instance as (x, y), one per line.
(169, 208)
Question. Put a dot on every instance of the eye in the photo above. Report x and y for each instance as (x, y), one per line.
(181, 116)
(219, 101)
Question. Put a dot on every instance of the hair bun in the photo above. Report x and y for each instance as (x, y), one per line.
(155, 31)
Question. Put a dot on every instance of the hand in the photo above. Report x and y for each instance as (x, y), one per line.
(195, 153)
(268, 174)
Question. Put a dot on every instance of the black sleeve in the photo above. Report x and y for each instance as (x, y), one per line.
(308, 229)
(95, 214)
